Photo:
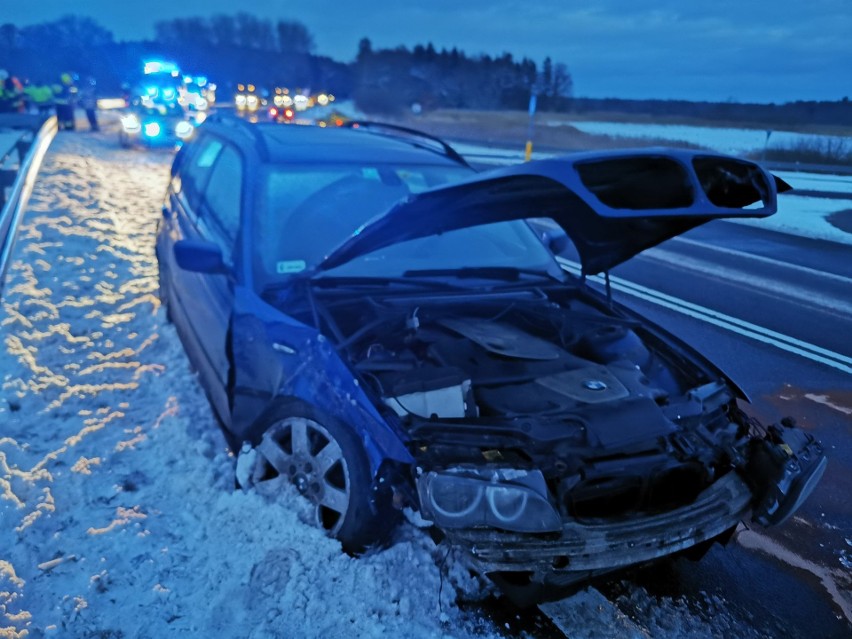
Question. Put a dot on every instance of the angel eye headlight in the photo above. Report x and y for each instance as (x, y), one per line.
(507, 504)
(453, 499)
(505, 498)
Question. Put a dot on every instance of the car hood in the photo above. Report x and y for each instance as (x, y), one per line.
(612, 204)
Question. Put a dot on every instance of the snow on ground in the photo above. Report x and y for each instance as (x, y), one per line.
(805, 216)
(118, 513)
(724, 140)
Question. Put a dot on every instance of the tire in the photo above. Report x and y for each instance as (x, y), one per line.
(124, 140)
(326, 462)
(163, 291)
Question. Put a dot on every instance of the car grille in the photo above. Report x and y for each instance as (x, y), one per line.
(612, 497)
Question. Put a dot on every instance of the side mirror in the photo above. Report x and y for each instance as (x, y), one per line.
(200, 257)
(556, 240)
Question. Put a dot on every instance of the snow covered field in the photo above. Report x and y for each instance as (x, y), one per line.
(118, 514)
(724, 140)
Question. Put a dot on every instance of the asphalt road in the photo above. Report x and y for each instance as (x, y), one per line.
(773, 311)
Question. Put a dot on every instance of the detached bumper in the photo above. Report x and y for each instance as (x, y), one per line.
(582, 550)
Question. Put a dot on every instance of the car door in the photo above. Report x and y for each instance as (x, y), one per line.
(209, 204)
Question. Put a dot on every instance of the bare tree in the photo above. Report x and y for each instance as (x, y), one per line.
(68, 31)
(563, 85)
(8, 36)
(294, 36)
(223, 28)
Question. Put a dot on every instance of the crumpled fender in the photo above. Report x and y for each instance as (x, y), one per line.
(276, 357)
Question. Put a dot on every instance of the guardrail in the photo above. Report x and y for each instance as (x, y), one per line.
(30, 155)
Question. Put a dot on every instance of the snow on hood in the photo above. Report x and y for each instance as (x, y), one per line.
(612, 205)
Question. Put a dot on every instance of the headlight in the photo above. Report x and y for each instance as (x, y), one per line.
(130, 123)
(184, 130)
(152, 129)
(509, 499)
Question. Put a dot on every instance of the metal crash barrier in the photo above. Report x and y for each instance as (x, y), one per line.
(24, 139)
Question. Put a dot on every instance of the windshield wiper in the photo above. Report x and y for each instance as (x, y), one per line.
(332, 281)
(501, 273)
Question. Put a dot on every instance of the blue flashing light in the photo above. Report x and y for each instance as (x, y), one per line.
(152, 91)
(168, 93)
(159, 66)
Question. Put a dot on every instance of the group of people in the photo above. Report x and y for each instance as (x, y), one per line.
(63, 97)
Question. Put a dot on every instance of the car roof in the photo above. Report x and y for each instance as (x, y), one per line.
(293, 143)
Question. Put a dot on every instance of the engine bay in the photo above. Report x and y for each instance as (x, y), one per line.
(562, 385)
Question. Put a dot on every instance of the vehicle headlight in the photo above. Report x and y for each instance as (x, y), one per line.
(184, 130)
(130, 123)
(508, 499)
(152, 129)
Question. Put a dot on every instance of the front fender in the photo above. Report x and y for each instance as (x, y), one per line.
(277, 357)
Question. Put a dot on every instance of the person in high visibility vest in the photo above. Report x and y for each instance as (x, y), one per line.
(40, 97)
(65, 94)
(5, 100)
(11, 94)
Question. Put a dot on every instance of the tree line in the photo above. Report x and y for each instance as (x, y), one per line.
(387, 80)
(243, 48)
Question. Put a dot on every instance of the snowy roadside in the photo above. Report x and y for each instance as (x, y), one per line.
(118, 511)
(118, 514)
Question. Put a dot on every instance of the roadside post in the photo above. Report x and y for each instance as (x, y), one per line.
(528, 152)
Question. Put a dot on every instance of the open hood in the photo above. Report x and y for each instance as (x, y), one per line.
(612, 205)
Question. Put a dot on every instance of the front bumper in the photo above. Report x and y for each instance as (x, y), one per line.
(582, 550)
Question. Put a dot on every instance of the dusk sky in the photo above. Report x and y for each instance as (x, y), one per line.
(744, 50)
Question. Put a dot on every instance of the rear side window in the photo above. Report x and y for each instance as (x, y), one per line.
(197, 170)
(220, 211)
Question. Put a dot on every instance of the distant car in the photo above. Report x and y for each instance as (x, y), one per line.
(157, 126)
(379, 325)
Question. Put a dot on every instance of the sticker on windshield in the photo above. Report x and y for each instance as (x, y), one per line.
(370, 173)
(290, 266)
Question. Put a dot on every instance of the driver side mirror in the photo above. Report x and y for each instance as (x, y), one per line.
(200, 257)
(556, 240)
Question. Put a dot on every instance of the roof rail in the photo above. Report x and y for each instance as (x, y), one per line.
(236, 122)
(401, 131)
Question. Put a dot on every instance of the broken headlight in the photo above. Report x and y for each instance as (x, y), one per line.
(508, 499)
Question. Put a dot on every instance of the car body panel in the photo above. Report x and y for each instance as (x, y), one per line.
(279, 359)
(609, 204)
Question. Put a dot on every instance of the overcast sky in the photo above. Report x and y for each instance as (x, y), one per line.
(745, 50)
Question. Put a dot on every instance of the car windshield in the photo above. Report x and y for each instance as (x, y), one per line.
(308, 211)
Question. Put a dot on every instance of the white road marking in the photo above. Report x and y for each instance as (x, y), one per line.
(825, 400)
(764, 260)
(801, 294)
(741, 327)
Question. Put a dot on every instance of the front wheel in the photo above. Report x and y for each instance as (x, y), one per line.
(163, 290)
(326, 463)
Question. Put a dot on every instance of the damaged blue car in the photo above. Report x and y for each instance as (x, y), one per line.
(382, 326)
